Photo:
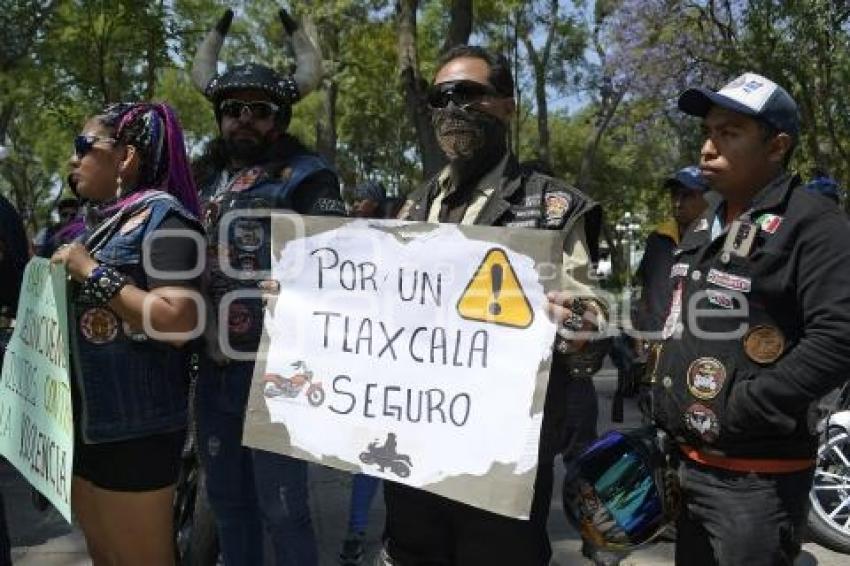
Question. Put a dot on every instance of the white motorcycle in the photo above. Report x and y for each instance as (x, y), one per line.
(829, 516)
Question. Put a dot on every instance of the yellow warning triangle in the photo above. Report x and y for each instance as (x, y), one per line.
(495, 295)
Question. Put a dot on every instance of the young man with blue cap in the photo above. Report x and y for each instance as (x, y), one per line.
(757, 330)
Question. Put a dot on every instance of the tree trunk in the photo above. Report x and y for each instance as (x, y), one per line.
(460, 26)
(544, 152)
(415, 86)
(415, 89)
(326, 135)
(592, 145)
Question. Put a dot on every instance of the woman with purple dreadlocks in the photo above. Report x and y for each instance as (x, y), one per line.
(132, 310)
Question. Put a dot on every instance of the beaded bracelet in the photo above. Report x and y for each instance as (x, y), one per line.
(104, 283)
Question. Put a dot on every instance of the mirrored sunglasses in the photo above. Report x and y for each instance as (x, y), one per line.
(462, 93)
(259, 109)
(84, 142)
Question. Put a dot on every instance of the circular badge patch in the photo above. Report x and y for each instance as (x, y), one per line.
(706, 377)
(239, 318)
(764, 344)
(702, 420)
(99, 325)
(248, 235)
(212, 211)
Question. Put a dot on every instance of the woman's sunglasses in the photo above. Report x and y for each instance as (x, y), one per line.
(462, 93)
(259, 109)
(84, 142)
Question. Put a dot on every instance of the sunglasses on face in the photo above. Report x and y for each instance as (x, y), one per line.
(259, 109)
(462, 93)
(84, 142)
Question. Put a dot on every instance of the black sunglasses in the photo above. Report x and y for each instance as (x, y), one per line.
(84, 142)
(259, 109)
(462, 93)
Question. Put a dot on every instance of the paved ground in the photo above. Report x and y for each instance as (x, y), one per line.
(44, 539)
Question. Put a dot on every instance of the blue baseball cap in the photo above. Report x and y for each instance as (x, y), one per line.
(749, 94)
(690, 177)
(825, 186)
(370, 190)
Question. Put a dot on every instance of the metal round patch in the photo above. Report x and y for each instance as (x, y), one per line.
(667, 382)
(239, 320)
(248, 235)
(703, 421)
(99, 325)
(706, 377)
(764, 344)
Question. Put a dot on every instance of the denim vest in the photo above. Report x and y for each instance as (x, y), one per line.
(130, 385)
(258, 191)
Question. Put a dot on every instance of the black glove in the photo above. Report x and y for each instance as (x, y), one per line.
(223, 25)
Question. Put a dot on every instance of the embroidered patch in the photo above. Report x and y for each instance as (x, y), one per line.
(702, 421)
(720, 299)
(99, 325)
(679, 270)
(764, 344)
(706, 377)
(286, 174)
(770, 223)
(671, 325)
(246, 179)
(729, 281)
(248, 263)
(522, 224)
(239, 319)
(135, 221)
(556, 206)
(248, 235)
(333, 206)
(701, 226)
(532, 201)
(212, 211)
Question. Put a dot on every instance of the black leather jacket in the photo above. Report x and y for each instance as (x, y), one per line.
(765, 327)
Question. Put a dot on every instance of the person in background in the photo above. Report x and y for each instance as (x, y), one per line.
(128, 387)
(69, 227)
(825, 186)
(368, 200)
(687, 189)
(13, 259)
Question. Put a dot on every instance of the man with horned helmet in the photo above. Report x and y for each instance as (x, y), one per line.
(252, 168)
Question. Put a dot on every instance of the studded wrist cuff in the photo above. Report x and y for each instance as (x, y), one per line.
(104, 283)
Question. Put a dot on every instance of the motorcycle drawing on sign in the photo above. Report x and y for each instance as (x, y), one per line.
(386, 456)
(275, 385)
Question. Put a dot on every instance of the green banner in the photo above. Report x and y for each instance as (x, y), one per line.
(36, 422)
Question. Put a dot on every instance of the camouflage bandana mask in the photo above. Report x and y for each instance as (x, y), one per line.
(465, 133)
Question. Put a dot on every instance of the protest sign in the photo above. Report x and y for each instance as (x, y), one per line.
(415, 352)
(36, 422)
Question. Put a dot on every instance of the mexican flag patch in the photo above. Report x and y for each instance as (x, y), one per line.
(770, 223)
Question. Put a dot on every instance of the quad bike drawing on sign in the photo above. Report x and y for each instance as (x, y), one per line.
(386, 456)
(275, 385)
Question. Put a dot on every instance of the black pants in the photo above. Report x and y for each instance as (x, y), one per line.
(5, 544)
(740, 519)
(424, 529)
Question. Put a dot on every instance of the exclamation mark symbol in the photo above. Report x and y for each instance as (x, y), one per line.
(496, 279)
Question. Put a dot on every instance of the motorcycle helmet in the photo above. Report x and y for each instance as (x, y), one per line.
(620, 494)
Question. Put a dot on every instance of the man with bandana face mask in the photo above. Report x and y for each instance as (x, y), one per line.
(472, 103)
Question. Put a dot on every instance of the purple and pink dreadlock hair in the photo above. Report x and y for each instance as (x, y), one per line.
(153, 129)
